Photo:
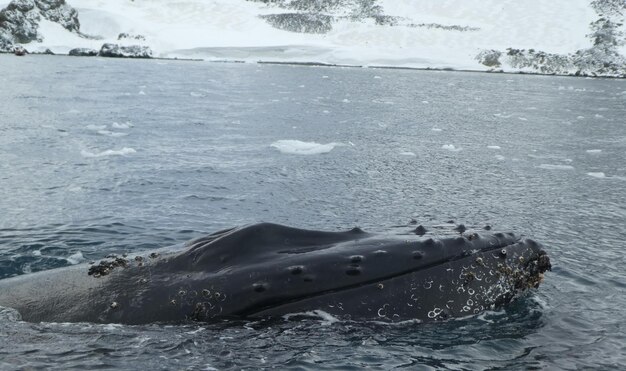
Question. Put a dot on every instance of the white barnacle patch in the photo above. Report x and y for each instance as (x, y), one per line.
(382, 311)
(471, 291)
(436, 312)
(428, 285)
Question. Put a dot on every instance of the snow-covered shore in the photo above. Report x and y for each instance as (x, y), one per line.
(401, 33)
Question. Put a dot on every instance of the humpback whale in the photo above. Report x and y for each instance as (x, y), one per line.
(264, 270)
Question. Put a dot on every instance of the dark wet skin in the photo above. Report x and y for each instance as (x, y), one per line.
(268, 270)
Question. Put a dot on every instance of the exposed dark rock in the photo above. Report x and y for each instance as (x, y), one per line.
(438, 26)
(60, 12)
(318, 16)
(602, 59)
(117, 51)
(489, 58)
(20, 51)
(386, 20)
(128, 36)
(83, 52)
(301, 22)
(19, 21)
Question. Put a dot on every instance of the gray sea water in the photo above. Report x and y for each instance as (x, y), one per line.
(102, 156)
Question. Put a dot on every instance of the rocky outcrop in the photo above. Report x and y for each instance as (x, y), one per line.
(127, 36)
(117, 51)
(318, 16)
(300, 22)
(489, 58)
(83, 52)
(601, 59)
(19, 21)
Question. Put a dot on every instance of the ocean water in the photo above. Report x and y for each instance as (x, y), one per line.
(101, 156)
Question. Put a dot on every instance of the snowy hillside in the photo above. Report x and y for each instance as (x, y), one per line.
(411, 33)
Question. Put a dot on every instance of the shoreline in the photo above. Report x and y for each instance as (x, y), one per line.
(335, 65)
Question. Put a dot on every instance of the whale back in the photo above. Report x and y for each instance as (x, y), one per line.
(271, 269)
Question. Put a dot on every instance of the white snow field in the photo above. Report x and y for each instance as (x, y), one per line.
(233, 30)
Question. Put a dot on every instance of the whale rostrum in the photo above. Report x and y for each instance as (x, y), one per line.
(266, 269)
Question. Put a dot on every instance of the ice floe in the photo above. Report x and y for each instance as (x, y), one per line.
(297, 147)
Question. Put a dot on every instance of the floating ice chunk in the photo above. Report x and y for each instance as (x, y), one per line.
(346, 101)
(598, 116)
(435, 129)
(297, 147)
(76, 258)
(580, 117)
(141, 92)
(377, 77)
(450, 147)
(597, 175)
(407, 153)
(194, 94)
(425, 102)
(493, 147)
(110, 152)
(555, 167)
(500, 157)
(594, 151)
(324, 77)
(522, 118)
(126, 125)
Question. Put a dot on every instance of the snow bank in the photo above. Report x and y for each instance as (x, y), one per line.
(431, 33)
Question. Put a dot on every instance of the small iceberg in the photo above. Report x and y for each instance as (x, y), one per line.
(450, 147)
(110, 152)
(297, 147)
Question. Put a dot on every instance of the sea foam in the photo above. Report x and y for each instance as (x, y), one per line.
(555, 167)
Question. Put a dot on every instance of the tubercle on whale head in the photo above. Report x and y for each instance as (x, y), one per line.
(271, 268)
